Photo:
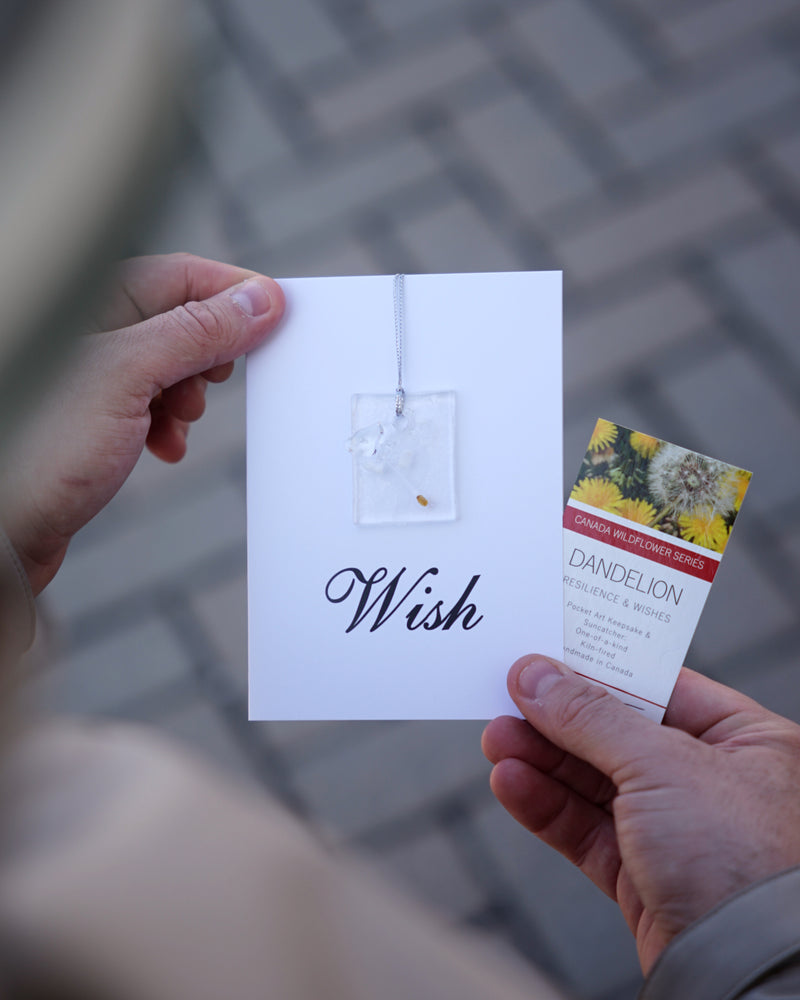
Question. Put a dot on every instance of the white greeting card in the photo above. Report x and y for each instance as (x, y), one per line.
(644, 531)
(401, 555)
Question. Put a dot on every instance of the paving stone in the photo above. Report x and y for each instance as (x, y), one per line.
(333, 253)
(741, 419)
(427, 867)
(607, 343)
(102, 677)
(706, 109)
(776, 686)
(223, 612)
(305, 741)
(657, 222)
(787, 154)
(200, 729)
(716, 24)
(240, 142)
(764, 277)
(792, 537)
(324, 192)
(456, 238)
(156, 546)
(198, 25)
(577, 47)
(744, 609)
(584, 929)
(396, 84)
(191, 218)
(296, 35)
(518, 147)
(395, 15)
(390, 772)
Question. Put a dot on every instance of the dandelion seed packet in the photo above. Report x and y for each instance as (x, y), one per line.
(645, 527)
(403, 499)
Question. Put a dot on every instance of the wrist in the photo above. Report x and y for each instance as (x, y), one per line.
(748, 936)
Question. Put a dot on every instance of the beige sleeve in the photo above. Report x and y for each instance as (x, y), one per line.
(748, 947)
(131, 865)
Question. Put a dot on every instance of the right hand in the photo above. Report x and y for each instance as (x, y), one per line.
(667, 820)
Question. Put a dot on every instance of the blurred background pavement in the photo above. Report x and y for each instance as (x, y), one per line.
(651, 150)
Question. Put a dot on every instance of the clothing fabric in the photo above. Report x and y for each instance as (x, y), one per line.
(130, 870)
(129, 867)
(747, 947)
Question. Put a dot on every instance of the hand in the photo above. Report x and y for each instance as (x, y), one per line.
(178, 322)
(667, 820)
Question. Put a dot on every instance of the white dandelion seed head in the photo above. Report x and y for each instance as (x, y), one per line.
(681, 480)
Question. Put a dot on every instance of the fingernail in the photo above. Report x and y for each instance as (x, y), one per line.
(536, 679)
(252, 297)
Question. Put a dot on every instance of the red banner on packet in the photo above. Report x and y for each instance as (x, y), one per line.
(645, 528)
(632, 540)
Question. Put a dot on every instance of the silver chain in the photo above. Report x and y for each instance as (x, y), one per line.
(399, 325)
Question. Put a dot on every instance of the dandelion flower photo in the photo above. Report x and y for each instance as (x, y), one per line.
(648, 481)
(638, 511)
(599, 492)
(681, 481)
(704, 527)
(603, 436)
(741, 481)
(644, 444)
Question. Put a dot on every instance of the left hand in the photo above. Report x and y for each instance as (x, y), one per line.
(176, 323)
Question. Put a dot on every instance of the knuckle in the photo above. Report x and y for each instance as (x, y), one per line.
(579, 705)
(203, 323)
(183, 258)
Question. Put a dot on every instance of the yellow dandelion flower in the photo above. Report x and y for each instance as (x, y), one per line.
(740, 480)
(599, 492)
(646, 446)
(703, 527)
(639, 511)
(603, 435)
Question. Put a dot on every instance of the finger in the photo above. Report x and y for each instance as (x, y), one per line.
(582, 832)
(166, 438)
(186, 400)
(199, 336)
(219, 374)
(583, 718)
(707, 709)
(506, 737)
(148, 286)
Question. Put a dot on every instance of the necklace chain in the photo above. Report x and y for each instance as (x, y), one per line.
(399, 324)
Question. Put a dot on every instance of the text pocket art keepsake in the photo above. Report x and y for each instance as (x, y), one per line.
(404, 495)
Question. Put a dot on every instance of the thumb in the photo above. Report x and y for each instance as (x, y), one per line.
(194, 337)
(581, 717)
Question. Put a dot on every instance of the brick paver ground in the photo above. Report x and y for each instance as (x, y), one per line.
(651, 149)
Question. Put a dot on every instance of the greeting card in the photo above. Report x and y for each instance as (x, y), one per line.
(404, 495)
(644, 531)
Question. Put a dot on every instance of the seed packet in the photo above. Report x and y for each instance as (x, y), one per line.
(645, 527)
